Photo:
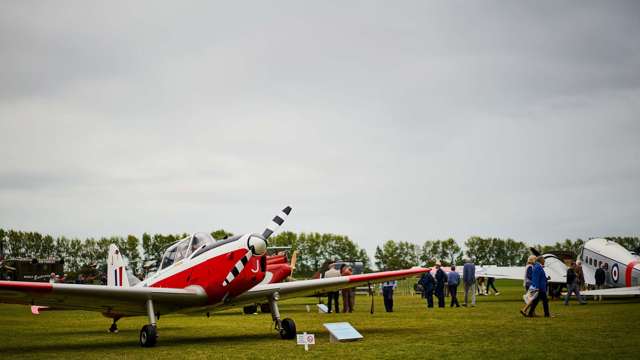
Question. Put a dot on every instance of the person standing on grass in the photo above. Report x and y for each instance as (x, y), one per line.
(453, 279)
(580, 275)
(427, 281)
(572, 285)
(539, 282)
(600, 279)
(387, 294)
(528, 273)
(490, 284)
(469, 280)
(347, 305)
(333, 296)
(440, 280)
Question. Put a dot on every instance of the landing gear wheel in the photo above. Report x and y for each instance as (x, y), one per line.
(265, 308)
(113, 328)
(251, 309)
(148, 336)
(287, 329)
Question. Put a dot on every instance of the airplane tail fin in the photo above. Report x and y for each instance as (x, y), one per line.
(116, 268)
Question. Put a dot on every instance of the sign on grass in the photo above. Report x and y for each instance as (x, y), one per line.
(306, 340)
(342, 331)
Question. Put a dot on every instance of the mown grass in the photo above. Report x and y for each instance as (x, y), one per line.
(492, 330)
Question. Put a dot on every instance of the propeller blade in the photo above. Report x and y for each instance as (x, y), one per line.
(276, 222)
(534, 251)
(294, 259)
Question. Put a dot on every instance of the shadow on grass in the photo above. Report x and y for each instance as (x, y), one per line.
(131, 342)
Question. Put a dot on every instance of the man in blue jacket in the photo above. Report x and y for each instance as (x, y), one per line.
(539, 281)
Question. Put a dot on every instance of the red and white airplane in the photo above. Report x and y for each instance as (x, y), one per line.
(196, 275)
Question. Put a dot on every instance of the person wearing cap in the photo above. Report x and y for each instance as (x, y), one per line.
(469, 280)
(427, 281)
(441, 278)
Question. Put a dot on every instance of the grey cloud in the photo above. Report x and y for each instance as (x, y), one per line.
(410, 120)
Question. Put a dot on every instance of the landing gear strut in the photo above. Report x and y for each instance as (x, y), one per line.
(286, 327)
(149, 333)
(114, 326)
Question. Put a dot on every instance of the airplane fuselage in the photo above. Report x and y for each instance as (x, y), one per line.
(621, 267)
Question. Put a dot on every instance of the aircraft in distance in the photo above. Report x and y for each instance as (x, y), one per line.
(620, 265)
(196, 275)
(609, 255)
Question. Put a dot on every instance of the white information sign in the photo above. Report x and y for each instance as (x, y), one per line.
(306, 340)
(342, 331)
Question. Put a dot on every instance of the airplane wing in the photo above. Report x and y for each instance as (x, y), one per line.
(555, 269)
(501, 272)
(105, 299)
(634, 290)
(301, 288)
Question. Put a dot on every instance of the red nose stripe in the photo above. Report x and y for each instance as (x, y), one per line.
(627, 278)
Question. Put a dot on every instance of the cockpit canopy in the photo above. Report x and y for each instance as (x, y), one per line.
(184, 248)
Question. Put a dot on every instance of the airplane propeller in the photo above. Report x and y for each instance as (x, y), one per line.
(294, 258)
(257, 245)
(277, 221)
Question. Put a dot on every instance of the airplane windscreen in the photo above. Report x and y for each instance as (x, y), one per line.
(169, 257)
(200, 240)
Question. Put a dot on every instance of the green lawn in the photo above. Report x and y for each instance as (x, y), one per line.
(493, 329)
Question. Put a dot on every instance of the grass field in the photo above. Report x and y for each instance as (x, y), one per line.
(493, 330)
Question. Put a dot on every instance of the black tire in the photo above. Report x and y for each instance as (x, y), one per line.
(148, 336)
(288, 329)
(265, 308)
(251, 309)
(113, 328)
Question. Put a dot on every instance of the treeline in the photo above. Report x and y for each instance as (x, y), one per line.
(76, 253)
(494, 251)
(314, 249)
(486, 251)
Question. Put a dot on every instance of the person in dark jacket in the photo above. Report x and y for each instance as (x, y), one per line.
(539, 282)
(600, 280)
(572, 285)
(440, 280)
(427, 281)
(387, 294)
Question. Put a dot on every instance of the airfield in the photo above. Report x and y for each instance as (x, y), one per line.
(492, 330)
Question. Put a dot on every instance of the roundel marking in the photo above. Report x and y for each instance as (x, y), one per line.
(615, 273)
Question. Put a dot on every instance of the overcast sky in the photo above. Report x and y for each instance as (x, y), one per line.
(393, 120)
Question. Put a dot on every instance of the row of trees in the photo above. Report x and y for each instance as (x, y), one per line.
(402, 254)
(313, 249)
(494, 251)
